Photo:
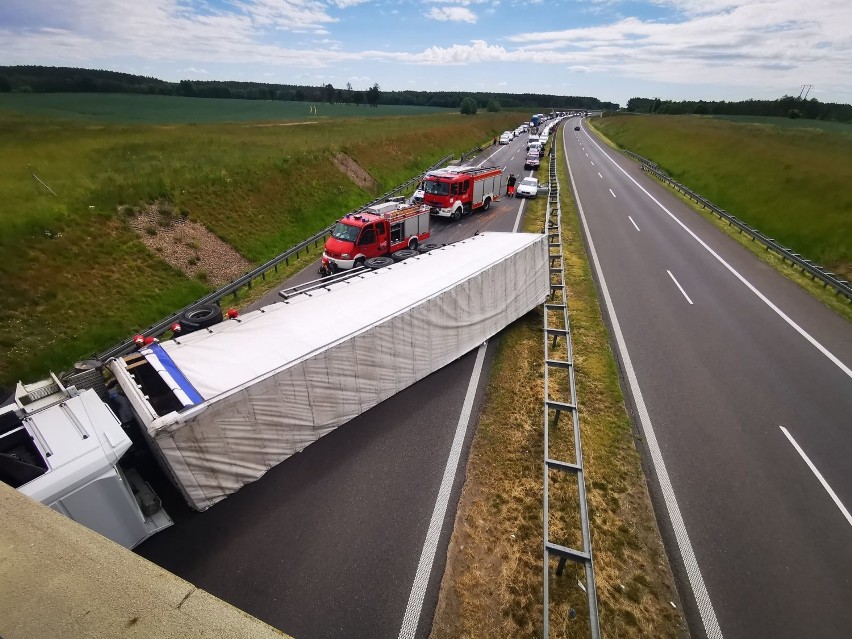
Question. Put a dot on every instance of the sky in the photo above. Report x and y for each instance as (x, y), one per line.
(609, 49)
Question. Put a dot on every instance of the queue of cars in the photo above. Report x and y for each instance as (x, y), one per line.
(528, 187)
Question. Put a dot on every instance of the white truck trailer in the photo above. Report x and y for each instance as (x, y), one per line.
(221, 406)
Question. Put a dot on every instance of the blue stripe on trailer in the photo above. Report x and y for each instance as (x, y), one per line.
(176, 374)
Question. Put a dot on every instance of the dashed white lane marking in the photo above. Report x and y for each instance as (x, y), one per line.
(679, 286)
(599, 175)
(634, 223)
(822, 349)
(611, 193)
(819, 476)
(592, 163)
(427, 556)
(693, 572)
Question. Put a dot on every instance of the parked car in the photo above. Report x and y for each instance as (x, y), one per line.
(532, 161)
(528, 187)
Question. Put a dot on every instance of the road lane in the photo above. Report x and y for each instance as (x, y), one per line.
(718, 381)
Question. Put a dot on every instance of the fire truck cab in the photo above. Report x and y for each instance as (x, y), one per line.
(375, 231)
(459, 190)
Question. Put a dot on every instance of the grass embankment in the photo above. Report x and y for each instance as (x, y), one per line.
(75, 278)
(791, 183)
(493, 583)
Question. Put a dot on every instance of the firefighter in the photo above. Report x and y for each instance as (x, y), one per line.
(510, 185)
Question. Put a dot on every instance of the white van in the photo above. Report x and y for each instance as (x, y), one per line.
(534, 139)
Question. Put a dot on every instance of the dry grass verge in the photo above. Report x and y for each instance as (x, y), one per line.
(492, 586)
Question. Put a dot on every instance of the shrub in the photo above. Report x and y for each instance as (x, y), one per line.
(468, 106)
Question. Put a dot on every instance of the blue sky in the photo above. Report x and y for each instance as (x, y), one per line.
(610, 49)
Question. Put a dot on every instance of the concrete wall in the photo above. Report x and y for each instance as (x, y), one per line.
(59, 579)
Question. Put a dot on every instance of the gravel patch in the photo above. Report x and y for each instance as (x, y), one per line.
(188, 246)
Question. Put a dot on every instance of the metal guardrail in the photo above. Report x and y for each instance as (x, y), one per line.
(246, 280)
(841, 287)
(559, 398)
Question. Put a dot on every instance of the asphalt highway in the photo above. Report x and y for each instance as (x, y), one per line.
(741, 393)
(335, 541)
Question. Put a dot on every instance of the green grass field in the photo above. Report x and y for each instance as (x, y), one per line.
(75, 279)
(129, 108)
(788, 123)
(791, 183)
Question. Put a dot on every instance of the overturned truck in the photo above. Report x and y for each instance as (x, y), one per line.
(221, 406)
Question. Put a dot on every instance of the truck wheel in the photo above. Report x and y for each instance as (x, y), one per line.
(425, 248)
(359, 263)
(378, 262)
(404, 254)
(201, 316)
(457, 215)
(413, 244)
(487, 204)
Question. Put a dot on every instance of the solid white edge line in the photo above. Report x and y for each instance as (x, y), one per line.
(693, 572)
(634, 223)
(520, 215)
(819, 476)
(822, 349)
(679, 286)
(427, 556)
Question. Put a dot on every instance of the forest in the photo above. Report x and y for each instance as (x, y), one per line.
(36, 79)
(786, 107)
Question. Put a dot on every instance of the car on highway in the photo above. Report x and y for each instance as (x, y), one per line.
(528, 187)
(532, 160)
(576, 128)
(505, 137)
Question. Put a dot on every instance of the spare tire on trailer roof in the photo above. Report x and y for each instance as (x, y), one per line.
(378, 262)
(425, 248)
(404, 254)
(200, 316)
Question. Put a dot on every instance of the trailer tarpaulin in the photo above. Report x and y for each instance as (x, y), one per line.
(275, 380)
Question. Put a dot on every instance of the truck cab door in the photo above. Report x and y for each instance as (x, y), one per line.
(368, 243)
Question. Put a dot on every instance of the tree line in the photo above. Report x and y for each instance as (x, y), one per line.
(37, 79)
(785, 107)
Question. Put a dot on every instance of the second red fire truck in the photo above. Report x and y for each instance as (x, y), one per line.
(459, 190)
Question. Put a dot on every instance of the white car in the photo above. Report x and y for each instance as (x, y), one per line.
(528, 187)
(505, 138)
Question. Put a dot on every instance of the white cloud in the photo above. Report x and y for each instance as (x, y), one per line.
(722, 41)
(452, 14)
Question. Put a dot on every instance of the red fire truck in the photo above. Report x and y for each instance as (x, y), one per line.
(380, 229)
(459, 190)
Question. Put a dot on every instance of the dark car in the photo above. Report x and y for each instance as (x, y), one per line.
(576, 128)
